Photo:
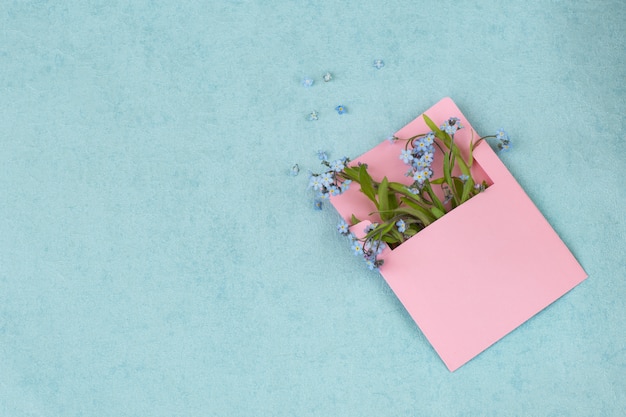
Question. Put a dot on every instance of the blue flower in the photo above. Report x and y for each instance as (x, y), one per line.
(327, 178)
(419, 177)
(322, 156)
(343, 228)
(313, 116)
(307, 82)
(357, 247)
(504, 146)
(337, 165)
(422, 146)
(378, 63)
(370, 227)
(345, 185)
(414, 190)
(401, 226)
(451, 125)
(317, 204)
(315, 182)
(422, 176)
(504, 141)
(406, 156)
(341, 109)
(429, 139)
(501, 135)
(392, 139)
(371, 263)
(334, 190)
(464, 177)
(428, 157)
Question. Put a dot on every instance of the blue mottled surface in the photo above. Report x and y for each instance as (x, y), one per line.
(156, 258)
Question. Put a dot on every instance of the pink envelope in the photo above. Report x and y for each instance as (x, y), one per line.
(483, 269)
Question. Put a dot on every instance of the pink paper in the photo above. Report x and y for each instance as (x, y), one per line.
(483, 269)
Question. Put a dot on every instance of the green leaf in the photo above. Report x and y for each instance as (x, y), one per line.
(425, 219)
(433, 196)
(431, 124)
(366, 184)
(383, 200)
(354, 220)
(467, 187)
(380, 231)
(438, 213)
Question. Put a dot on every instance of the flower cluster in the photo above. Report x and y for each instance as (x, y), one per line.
(420, 157)
(329, 183)
(369, 249)
(401, 211)
(504, 141)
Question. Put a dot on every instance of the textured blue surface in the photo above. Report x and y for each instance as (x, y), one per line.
(156, 258)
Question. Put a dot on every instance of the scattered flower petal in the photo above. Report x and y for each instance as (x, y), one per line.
(341, 109)
(307, 82)
(327, 77)
(378, 63)
(295, 170)
(313, 116)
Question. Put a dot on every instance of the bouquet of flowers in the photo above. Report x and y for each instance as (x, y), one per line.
(404, 210)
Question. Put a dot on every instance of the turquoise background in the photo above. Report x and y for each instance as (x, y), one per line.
(157, 259)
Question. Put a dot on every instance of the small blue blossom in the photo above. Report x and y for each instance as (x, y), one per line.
(420, 163)
(414, 190)
(452, 125)
(322, 156)
(315, 182)
(392, 139)
(343, 228)
(419, 177)
(504, 146)
(323, 195)
(501, 135)
(327, 178)
(334, 190)
(464, 177)
(401, 226)
(357, 247)
(317, 204)
(406, 156)
(337, 165)
(307, 82)
(421, 145)
(313, 116)
(345, 185)
(295, 170)
(327, 77)
(429, 139)
(341, 109)
(373, 248)
(371, 263)
(378, 63)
